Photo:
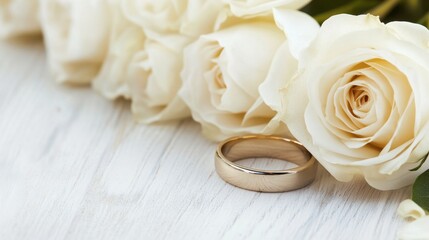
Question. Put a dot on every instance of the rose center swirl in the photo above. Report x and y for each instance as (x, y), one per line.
(367, 103)
(359, 102)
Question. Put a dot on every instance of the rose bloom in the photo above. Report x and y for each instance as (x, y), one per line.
(76, 35)
(256, 7)
(147, 71)
(126, 39)
(226, 73)
(19, 17)
(360, 102)
(154, 78)
(145, 57)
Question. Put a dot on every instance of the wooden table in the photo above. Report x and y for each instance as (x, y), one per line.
(74, 165)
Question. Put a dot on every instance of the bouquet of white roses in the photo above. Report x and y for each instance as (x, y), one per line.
(352, 90)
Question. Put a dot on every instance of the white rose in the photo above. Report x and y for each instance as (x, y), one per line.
(76, 36)
(225, 70)
(145, 56)
(186, 17)
(360, 104)
(19, 17)
(243, 8)
(145, 70)
(126, 40)
(154, 78)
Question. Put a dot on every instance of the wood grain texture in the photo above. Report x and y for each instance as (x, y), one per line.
(75, 166)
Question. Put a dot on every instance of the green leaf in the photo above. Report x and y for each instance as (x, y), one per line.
(422, 161)
(321, 11)
(424, 20)
(383, 9)
(316, 7)
(416, 11)
(410, 10)
(421, 191)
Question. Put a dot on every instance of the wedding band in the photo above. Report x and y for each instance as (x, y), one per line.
(259, 146)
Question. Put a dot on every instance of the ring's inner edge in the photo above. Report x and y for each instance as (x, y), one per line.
(266, 148)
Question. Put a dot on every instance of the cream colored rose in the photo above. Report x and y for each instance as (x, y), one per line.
(146, 70)
(186, 17)
(19, 17)
(154, 78)
(76, 36)
(360, 103)
(243, 8)
(126, 40)
(225, 72)
(145, 54)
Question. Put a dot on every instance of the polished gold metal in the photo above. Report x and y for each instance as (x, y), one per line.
(260, 146)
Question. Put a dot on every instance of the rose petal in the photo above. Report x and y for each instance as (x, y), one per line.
(415, 230)
(298, 36)
(125, 40)
(409, 209)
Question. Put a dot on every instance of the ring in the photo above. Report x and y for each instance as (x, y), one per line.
(260, 146)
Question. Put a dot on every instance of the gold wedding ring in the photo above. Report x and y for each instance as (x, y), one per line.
(259, 146)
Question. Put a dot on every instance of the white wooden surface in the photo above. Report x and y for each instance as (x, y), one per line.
(75, 166)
